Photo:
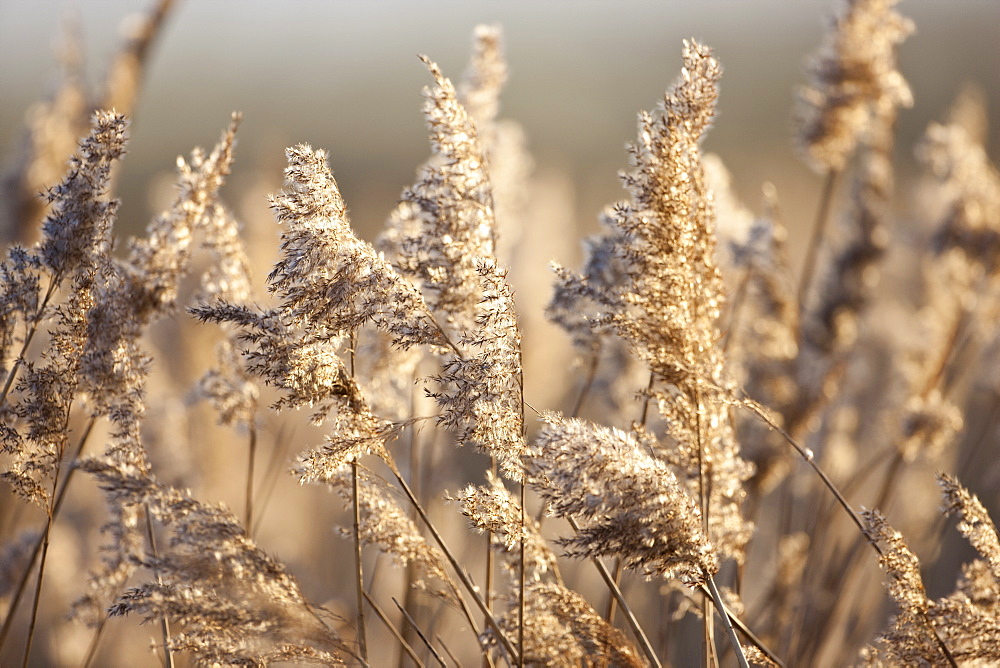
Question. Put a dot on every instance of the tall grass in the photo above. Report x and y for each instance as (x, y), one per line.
(720, 477)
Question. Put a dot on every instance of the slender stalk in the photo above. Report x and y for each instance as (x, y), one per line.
(271, 475)
(810, 460)
(521, 585)
(32, 329)
(447, 650)
(520, 598)
(49, 519)
(488, 594)
(645, 399)
(745, 630)
(41, 573)
(816, 238)
(420, 633)
(588, 382)
(808, 456)
(168, 657)
(612, 601)
(416, 468)
(251, 457)
(392, 629)
(466, 582)
(708, 619)
(95, 642)
(358, 576)
(612, 608)
(22, 583)
(633, 623)
(736, 308)
(720, 606)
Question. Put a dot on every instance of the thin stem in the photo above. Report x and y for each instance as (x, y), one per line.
(708, 619)
(808, 456)
(633, 623)
(520, 601)
(358, 576)
(587, 383)
(816, 238)
(251, 457)
(420, 633)
(50, 518)
(466, 582)
(521, 594)
(392, 629)
(810, 459)
(38, 582)
(22, 583)
(736, 309)
(645, 400)
(416, 472)
(488, 594)
(612, 601)
(720, 606)
(32, 329)
(271, 474)
(447, 650)
(168, 658)
(745, 630)
(95, 642)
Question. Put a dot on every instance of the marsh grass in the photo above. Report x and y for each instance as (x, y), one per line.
(725, 472)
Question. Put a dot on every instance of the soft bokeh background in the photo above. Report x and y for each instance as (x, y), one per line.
(344, 76)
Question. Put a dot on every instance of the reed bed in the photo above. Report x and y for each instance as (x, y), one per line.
(733, 464)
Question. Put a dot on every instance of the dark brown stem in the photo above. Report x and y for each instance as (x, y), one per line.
(810, 460)
(38, 584)
(808, 456)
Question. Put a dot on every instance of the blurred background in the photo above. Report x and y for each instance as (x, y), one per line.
(344, 76)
